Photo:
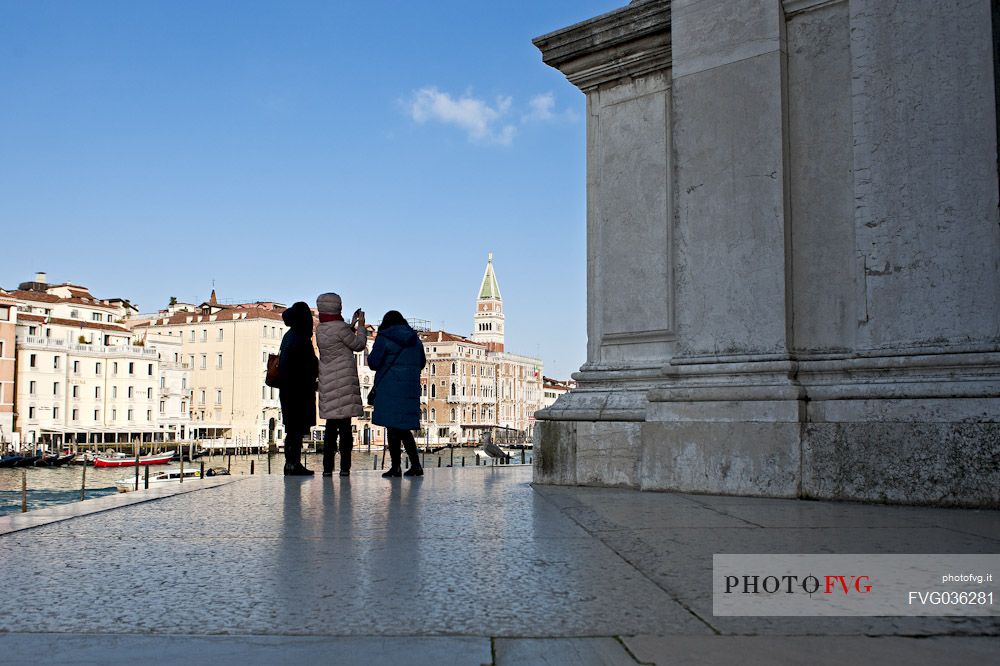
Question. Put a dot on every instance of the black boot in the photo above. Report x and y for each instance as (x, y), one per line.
(297, 470)
(411, 452)
(392, 444)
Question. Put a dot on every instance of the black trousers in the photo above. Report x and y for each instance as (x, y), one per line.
(397, 436)
(337, 429)
(293, 447)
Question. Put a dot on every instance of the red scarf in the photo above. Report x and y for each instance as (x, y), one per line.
(323, 317)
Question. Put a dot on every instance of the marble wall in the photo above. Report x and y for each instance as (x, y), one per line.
(793, 251)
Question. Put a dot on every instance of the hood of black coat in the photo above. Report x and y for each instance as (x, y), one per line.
(298, 318)
(402, 335)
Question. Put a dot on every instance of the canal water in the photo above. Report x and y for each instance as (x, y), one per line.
(50, 486)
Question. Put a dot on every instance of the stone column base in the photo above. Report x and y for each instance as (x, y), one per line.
(916, 429)
(940, 464)
(598, 453)
(724, 458)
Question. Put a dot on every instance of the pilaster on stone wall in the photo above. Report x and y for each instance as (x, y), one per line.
(925, 195)
(729, 116)
(621, 62)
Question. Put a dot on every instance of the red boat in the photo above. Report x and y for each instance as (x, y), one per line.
(123, 460)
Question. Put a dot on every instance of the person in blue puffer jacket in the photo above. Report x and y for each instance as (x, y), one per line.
(397, 357)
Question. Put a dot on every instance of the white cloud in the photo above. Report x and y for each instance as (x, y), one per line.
(484, 122)
(481, 121)
(541, 107)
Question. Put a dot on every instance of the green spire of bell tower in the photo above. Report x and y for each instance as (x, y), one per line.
(490, 288)
(488, 322)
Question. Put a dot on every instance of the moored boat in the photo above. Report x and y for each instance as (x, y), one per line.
(85, 458)
(27, 461)
(124, 460)
(47, 460)
(166, 476)
(11, 460)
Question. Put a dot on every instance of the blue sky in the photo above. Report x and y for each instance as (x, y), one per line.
(282, 149)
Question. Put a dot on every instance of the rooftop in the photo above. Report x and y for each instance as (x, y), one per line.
(44, 297)
(83, 324)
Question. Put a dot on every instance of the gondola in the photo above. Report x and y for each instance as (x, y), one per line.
(124, 460)
(47, 460)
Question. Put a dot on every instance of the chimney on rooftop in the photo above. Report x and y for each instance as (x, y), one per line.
(40, 277)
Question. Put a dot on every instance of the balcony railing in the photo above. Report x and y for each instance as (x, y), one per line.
(109, 350)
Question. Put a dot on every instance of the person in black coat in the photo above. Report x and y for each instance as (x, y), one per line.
(297, 373)
(397, 357)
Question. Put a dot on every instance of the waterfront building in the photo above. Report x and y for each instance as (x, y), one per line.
(225, 348)
(467, 389)
(8, 323)
(553, 388)
(451, 401)
(471, 385)
(79, 376)
(97, 371)
(174, 391)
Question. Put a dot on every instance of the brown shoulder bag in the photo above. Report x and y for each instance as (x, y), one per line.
(271, 378)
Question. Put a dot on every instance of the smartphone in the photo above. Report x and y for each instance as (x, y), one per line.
(357, 313)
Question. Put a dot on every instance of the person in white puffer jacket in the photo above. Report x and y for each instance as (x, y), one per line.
(339, 388)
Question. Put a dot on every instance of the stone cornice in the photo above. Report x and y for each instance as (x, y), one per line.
(628, 42)
(797, 6)
(973, 375)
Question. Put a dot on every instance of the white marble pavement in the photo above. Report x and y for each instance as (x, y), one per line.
(464, 566)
